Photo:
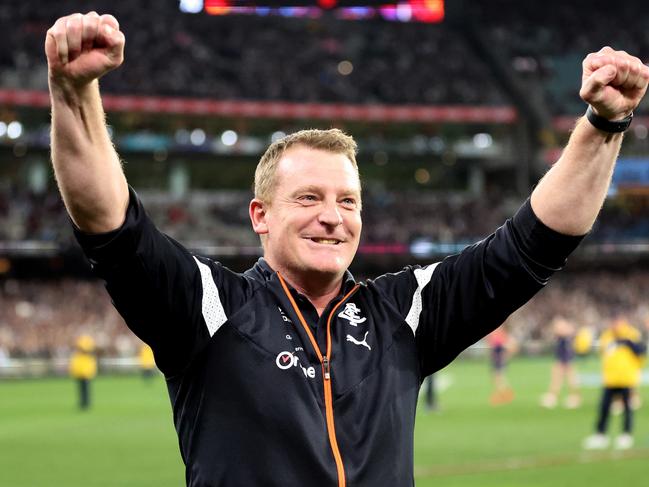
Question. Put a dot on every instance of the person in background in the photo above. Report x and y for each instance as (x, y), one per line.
(500, 346)
(147, 362)
(563, 370)
(83, 368)
(430, 393)
(583, 342)
(622, 351)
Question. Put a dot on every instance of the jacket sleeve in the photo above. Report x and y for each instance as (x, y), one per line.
(454, 303)
(170, 299)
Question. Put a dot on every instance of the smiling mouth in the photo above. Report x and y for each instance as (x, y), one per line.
(325, 241)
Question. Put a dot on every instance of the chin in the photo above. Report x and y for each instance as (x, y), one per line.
(327, 268)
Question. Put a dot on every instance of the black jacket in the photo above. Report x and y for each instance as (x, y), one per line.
(247, 379)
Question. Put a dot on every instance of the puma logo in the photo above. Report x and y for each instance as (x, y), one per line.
(356, 342)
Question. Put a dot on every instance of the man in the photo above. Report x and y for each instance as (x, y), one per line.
(563, 369)
(292, 374)
(146, 361)
(83, 368)
(622, 351)
(502, 347)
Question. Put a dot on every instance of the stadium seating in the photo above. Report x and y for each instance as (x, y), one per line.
(536, 46)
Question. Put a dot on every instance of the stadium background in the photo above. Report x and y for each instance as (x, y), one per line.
(458, 108)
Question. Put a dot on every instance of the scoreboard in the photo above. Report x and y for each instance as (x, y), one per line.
(428, 11)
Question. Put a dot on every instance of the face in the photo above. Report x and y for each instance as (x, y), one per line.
(313, 224)
(618, 324)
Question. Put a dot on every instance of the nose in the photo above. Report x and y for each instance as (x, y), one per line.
(330, 215)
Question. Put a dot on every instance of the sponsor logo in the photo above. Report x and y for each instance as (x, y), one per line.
(350, 313)
(286, 360)
(285, 318)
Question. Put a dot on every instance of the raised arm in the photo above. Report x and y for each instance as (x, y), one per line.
(570, 195)
(80, 49)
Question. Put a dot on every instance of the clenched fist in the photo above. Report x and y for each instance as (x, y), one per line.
(82, 48)
(613, 82)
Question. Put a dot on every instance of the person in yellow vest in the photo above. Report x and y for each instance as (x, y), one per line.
(583, 342)
(147, 362)
(623, 352)
(83, 368)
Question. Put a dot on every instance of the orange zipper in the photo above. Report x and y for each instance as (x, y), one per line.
(325, 361)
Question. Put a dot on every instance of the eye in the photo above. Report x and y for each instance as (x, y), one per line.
(307, 198)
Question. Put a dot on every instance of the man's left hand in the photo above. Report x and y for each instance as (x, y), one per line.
(613, 83)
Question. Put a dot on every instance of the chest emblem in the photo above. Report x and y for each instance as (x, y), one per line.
(351, 314)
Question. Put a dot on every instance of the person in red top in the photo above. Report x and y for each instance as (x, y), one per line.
(500, 345)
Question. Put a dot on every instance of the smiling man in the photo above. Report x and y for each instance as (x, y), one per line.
(291, 373)
(307, 209)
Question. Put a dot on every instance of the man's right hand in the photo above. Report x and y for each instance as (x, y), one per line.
(82, 48)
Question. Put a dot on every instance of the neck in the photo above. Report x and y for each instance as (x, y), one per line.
(318, 289)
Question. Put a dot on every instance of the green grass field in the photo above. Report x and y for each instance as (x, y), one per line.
(127, 439)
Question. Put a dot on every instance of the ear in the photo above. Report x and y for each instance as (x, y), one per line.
(257, 212)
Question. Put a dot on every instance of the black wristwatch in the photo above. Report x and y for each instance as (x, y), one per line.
(608, 125)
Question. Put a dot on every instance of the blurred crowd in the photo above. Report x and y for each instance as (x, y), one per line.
(261, 58)
(543, 43)
(220, 218)
(331, 60)
(26, 215)
(590, 298)
(41, 318)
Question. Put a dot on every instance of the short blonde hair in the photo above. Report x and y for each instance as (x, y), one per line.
(332, 140)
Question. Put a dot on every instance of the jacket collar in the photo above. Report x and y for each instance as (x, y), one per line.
(264, 272)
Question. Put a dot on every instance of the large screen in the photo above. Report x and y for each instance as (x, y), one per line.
(429, 11)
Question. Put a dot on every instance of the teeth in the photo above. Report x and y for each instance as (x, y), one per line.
(325, 241)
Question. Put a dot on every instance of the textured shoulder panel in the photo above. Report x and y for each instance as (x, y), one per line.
(212, 308)
(423, 277)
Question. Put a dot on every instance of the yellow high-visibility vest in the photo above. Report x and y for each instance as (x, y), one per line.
(621, 367)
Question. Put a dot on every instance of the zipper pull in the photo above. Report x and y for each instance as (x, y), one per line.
(327, 371)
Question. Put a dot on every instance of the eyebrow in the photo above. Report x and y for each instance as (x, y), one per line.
(318, 190)
(306, 189)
